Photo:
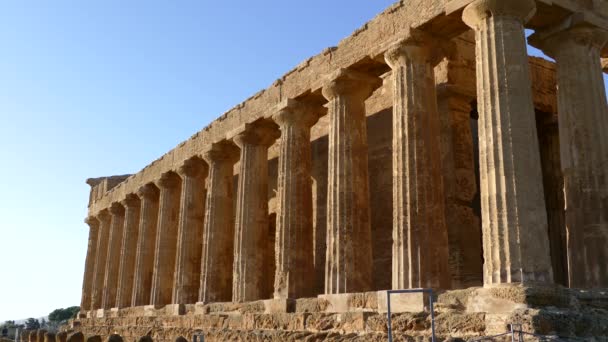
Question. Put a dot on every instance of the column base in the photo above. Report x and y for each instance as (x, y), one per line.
(279, 305)
(175, 309)
(100, 313)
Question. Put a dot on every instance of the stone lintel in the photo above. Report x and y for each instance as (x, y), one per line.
(282, 305)
(403, 302)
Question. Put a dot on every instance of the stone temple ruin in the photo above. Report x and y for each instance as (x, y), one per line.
(426, 150)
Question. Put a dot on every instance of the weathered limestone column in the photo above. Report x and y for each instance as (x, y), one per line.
(294, 271)
(89, 264)
(146, 241)
(251, 226)
(515, 241)
(218, 236)
(166, 239)
(190, 233)
(420, 238)
(128, 251)
(583, 126)
(460, 186)
(100, 259)
(110, 283)
(349, 257)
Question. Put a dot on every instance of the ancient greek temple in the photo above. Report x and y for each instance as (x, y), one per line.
(426, 150)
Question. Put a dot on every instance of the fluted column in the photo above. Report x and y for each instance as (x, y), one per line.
(294, 270)
(110, 283)
(128, 251)
(251, 226)
(190, 233)
(218, 236)
(349, 258)
(514, 220)
(146, 241)
(420, 238)
(89, 264)
(460, 187)
(166, 239)
(583, 129)
(100, 259)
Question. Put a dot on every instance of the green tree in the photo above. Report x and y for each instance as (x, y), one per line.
(62, 315)
(32, 324)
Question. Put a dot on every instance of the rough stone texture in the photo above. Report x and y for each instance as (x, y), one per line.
(348, 219)
(218, 237)
(166, 239)
(514, 218)
(190, 232)
(251, 255)
(89, 265)
(124, 293)
(420, 238)
(76, 337)
(294, 274)
(347, 250)
(583, 123)
(144, 260)
(100, 260)
(110, 283)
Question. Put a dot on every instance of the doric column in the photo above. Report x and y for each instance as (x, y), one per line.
(583, 127)
(460, 186)
(514, 220)
(294, 270)
(349, 257)
(100, 259)
(146, 241)
(89, 264)
(166, 239)
(128, 251)
(190, 232)
(251, 226)
(218, 236)
(420, 238)
(110, 283)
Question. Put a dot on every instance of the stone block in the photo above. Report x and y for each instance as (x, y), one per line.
(496, 300)
(100, 313)
(175, 309)
(350, 302)
(151, 310)
(403, 302)
(282, 305)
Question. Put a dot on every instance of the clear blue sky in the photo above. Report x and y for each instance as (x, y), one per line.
(95, 88)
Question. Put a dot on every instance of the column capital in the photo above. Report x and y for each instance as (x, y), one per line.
(117, 209)
(148, 191)
(294, 112)
(103, 215)
(130, 201)
(223, 150)
(346, 81)
(479, 10)
(419, 46)
(261, 132)
(572, 32)
(167, 180)
(92, 221)
(193, 167)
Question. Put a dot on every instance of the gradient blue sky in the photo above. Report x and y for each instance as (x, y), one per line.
(96, 88)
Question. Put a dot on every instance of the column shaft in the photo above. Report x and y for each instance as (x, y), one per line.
(515, 241)
(218, 236)
(460, 187)
(583, 130)
(110, 283)
(190, 233)
(349, 259)
(128, 251)
(251, 226)
(294, 271)
(89, 265)
(100, 259)
(420, 239)
(146, 241)
(166, 239)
